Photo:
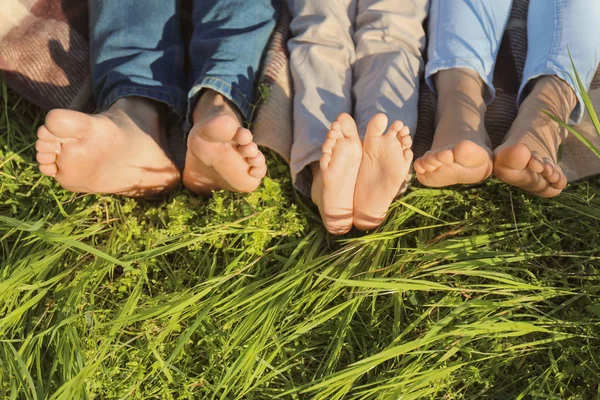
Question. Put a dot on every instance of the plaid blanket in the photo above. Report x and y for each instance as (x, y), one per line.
(44, 57)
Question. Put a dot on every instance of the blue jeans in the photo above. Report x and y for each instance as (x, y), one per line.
(138, 49)
(467, 34)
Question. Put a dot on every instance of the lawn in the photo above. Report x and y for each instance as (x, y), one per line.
(476, 292)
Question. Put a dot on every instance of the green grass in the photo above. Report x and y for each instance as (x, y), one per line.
(479, 292)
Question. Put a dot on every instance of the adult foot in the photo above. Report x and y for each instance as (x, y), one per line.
(335, 175)
(221, 153)
(460, 153)
(121, 151)
(384, 167)
(528, 156)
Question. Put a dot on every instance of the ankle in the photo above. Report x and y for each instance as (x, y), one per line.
(212, 103)
(138, 105)
(552, 94)
(461, 89)
(143, 111)
(449, 82)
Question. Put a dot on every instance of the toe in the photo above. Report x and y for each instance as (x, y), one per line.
(405, 131)
(406, 141)
(45, 135)
(249, 150)
(328, 145)
(536, 163)
(48, 169)
(43, 146)
(445, 156)
(68, 124)
(334, 134)
(258, 172)
(395, 128)
(325, 160)
(408, 156)
(561, 183)
(427, 167)
(45, 158)
(257, 161)
(377, 125)
(431, 159)
(555, 177)
(514, 157)
(555, 174)
(243, 137)
(419, 167)
(336, 126)
(470, 154)
(347, 125)
(548, 170)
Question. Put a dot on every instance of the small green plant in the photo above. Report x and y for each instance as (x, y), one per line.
(590, 109)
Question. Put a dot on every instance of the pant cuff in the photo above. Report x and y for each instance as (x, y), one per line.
(175, 101)
(433, 67)
(223, 86)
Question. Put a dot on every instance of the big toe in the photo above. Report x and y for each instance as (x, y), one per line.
(348, 125)
(67, 124)
(377, 125)
(470, 155)
(515, 157)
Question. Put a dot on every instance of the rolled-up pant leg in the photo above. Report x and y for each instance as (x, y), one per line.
(136, 49)
(466, 34)
(556, 27)
(390, 40)
(321, 56)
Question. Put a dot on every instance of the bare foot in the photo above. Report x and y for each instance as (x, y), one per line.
(528, 157)
(460, 153)
(334, 177)
(122, 151)
(384, 167)
(221, 153)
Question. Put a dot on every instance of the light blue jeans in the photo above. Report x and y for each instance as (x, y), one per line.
(467, 34)
(138, 49)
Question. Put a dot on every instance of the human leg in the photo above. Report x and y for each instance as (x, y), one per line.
(226, 48)
(326, 140)
(135, 50)
(390, 39)
(528, 157)
(465, 37)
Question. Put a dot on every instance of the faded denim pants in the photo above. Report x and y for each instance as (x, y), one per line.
(138, 49)
(360, 57)
(467, 34)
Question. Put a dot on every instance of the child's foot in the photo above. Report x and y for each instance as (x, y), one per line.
(460, 153)
(221, 154)
(384, 167)
(528, 156)
(334, 177)
(122, 151)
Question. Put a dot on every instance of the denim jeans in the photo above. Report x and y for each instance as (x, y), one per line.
(138, 49)
(467, 34)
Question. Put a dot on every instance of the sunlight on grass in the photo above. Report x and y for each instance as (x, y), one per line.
(479, 292)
